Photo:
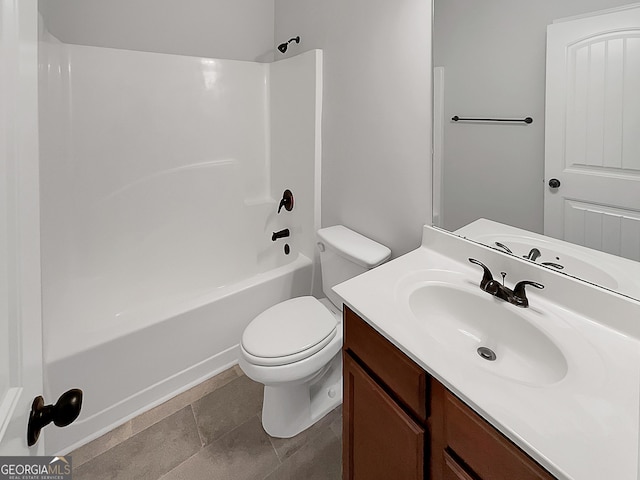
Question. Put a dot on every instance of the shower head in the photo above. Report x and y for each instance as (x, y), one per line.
(283, 46)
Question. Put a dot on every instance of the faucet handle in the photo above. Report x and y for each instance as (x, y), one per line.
(520, 294)
(287, 201)
(486, 277)
(533, 254)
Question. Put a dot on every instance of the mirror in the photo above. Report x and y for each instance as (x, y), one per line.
(560, 176)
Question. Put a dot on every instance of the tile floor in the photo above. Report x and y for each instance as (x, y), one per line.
(212, 431)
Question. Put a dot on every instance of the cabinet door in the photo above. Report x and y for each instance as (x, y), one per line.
(453, 470)
(380, 441)
(392, 368)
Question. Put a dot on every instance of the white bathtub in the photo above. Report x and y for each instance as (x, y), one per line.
(160, 180)
(173, 345)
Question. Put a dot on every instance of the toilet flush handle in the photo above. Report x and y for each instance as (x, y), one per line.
(321, 246)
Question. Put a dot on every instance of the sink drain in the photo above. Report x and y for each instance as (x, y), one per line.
(487, 353)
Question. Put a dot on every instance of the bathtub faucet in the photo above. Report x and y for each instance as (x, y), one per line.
(281, 234)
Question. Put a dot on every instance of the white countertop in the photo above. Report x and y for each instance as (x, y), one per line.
(583, 427)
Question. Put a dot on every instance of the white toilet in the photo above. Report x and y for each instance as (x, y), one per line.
(294, 347)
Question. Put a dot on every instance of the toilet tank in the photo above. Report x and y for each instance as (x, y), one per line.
(345, 254)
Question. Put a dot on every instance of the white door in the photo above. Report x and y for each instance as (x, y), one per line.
(20, 318)
(592, 131)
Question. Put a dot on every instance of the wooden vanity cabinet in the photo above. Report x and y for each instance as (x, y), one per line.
(392, 446)
(384, 410)
(401, 424)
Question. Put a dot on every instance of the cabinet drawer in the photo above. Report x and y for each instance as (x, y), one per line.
(406, 380)
(483, 449)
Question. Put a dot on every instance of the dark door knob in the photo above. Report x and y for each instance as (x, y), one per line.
(554, 183)
(63, 413)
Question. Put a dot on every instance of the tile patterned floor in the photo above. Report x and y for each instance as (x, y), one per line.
(212, 431)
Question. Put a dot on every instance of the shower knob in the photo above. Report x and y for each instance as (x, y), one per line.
(63, 413)
(287, 201)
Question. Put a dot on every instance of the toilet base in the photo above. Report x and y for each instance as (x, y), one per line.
(290, 409)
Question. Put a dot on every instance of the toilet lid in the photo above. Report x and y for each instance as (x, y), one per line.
(288, 328)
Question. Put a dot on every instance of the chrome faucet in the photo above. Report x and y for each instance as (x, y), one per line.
(517, 296)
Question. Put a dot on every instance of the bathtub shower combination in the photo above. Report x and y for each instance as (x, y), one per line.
(160, 182)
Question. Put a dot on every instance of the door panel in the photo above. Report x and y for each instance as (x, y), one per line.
(612, 230)
(20, 317)
(592, 124)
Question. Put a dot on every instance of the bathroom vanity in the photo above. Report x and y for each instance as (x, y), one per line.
(560, 399)
(399, 422)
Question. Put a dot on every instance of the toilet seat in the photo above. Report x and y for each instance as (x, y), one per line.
(288, 332)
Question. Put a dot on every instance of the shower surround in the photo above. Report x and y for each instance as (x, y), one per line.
(160, 180)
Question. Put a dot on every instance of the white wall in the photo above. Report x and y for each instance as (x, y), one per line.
(493, 53)
(376, 130)
(230, 29)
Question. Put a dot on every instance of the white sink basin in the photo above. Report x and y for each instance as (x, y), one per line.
(476, 326)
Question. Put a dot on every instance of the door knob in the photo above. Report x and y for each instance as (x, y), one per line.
(63, 413)
(554, 183)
